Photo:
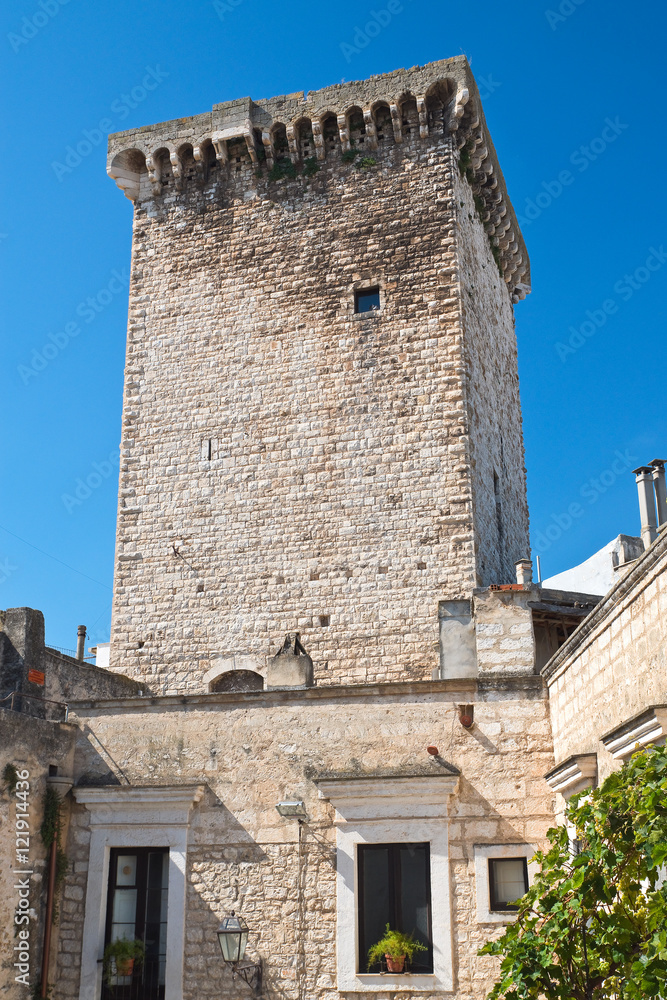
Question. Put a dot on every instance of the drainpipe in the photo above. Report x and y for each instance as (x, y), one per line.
(49, 917)
(80, 642)
(660, 488)
(646, 492)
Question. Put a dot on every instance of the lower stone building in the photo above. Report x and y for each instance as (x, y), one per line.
(319, 814)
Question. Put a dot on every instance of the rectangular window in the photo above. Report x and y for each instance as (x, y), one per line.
(367, 300)
(395, 888)
(137, 910)
(508, 882)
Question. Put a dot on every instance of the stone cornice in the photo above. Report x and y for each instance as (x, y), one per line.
(136, 157)
(650, 726)
(417, 771)
(147, 805)
(369, 799)
(510, 685)
(637, 578)
(574, 774)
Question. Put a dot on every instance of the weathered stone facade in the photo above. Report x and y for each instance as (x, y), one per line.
(253, 750)
(613, 669)
(289, 465)
(36, 685)
(34, 745)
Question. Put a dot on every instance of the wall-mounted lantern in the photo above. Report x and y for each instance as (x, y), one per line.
(233, 938)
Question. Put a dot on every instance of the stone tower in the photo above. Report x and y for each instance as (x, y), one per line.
(321, 418)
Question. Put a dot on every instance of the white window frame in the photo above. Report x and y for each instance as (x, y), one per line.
(391, 810)
(129, 816)
(482, 853)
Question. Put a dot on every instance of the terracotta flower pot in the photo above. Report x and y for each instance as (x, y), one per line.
(395, 964)
(124, 966)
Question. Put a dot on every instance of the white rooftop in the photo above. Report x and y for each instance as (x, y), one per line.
(600, 572)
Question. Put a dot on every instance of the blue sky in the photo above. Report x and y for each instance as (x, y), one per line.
(575, 103)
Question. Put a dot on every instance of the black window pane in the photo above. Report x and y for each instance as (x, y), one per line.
(415, 917)
(367, 300)
(375, 893)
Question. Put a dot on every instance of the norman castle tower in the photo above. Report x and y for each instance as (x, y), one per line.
(321, 418)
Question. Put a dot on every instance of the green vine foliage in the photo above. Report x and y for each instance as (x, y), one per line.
(593, 925)
(51, 821)
(50, 831)
(311, 167)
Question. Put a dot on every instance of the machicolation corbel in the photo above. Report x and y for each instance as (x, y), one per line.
(438, 102)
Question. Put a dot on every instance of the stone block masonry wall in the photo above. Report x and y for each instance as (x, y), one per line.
(504, 635)
(288, 899)
(68, 679)
(30, 744)
(23, 654)
(491, 386)
(289, 465)
(255, 750)
(613, 667)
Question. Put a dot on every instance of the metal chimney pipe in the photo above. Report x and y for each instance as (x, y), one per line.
(80, 642)
(646, 492)
(660, 489)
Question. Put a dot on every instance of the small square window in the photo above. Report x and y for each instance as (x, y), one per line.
(508, 882)
(367, 300)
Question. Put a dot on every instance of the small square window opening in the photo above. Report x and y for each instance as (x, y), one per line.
(367, 300)
(508, 882)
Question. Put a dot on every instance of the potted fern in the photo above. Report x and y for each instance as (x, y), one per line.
(120, 956)
(394, 947)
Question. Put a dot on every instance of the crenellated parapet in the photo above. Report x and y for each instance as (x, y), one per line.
(407, 109)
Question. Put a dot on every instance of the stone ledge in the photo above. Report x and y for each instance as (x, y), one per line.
(530, 686)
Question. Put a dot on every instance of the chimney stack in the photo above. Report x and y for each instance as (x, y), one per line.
(80, 642)
(646, 492)
(658, 465)
(524, 572)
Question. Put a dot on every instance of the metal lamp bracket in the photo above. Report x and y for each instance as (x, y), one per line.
(250, 972)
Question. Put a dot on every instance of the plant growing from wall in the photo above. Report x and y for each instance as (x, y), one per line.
(311, 167)
(36, 991)
(594, 923)
(10, 777)
(365, 163)
(282, 168)
(465, 164)
(482, 211)
(394, 947)
(495, 250)
(50, 831)
(350, 155)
